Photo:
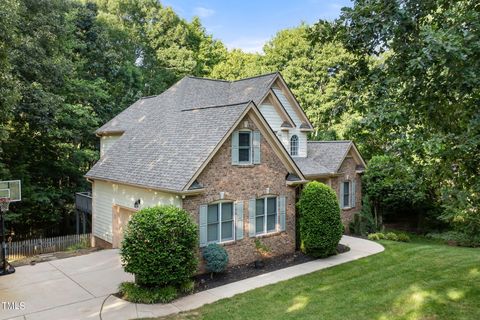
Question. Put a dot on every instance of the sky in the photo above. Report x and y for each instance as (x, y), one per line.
(249, 24)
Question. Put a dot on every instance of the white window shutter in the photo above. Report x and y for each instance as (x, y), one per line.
(256, 147)
(239, 220)
(235, 147)
(203, 225)
(352, 195)
(282, 201)
(251, 217)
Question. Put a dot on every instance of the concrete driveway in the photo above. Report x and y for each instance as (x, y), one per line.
(72, 288)
(76, 288)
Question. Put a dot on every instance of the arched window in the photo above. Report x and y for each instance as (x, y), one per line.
(294, 145)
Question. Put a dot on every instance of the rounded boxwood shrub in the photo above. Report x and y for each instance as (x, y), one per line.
(320, 224)
(159, 246)
(216, 258)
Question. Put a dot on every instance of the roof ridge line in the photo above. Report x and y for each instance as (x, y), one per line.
(218, 106)
(257, 76)
(232, 81)
(209, 79)
(328, 141)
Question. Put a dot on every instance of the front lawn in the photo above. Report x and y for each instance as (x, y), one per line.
(417, 280)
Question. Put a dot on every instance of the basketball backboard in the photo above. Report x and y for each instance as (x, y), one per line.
(11, 189)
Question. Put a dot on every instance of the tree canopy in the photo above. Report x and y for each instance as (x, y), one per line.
(401, 78)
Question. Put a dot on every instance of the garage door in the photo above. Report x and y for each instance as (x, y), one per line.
(121, 216)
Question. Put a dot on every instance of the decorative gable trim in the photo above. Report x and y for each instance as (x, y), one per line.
(307, 125)
(267, 133)
(272, 97)
(358, 158)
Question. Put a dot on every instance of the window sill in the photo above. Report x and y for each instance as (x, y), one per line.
(225, 243)
(246, 165)
(270, 234)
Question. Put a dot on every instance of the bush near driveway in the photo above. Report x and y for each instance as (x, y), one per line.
(160, 246)
(320, 224)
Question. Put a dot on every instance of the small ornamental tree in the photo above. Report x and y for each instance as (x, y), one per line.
(320, 224)
(159, 246)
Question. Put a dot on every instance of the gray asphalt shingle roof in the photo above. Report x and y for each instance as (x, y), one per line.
(323, 157)
(168, 137)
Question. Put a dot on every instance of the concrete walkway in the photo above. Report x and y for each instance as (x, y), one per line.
(75, 288)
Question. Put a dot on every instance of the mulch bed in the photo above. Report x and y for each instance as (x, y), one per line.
(245, 271)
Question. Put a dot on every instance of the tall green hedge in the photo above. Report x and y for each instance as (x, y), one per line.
(320, 224)
(159, 246)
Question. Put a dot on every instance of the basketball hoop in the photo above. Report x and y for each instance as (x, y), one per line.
(4, 204)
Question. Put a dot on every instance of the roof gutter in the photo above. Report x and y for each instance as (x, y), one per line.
(297, 182)
(177, 192)
(322, 175)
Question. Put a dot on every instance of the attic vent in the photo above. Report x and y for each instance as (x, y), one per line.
(195, 185)
(245, 124)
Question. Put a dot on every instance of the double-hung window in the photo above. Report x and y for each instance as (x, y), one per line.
(220, 222)
(266, 215)
(346, 194)
(244, 146)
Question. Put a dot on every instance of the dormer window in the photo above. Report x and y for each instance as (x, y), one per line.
(294, 145)
(244, 146)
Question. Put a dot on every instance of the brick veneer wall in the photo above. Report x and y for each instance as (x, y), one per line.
(241, 183)
(347, 170)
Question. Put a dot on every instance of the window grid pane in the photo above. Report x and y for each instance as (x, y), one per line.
(346, 194)
(259, 224)
(244, 139)
(227, 231)
(227, 211)
(271, 222)
(212, 232)
(260, 209)
(244, 154)
(212, 213)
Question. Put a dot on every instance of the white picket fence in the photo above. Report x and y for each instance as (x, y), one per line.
(28, 248)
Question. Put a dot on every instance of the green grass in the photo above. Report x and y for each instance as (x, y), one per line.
(417, 280)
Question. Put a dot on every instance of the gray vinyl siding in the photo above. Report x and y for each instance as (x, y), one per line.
(271, 115)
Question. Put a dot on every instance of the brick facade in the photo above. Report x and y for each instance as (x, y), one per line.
(347, 171)
(241, 183)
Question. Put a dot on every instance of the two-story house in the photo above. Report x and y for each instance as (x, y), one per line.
(232, 153)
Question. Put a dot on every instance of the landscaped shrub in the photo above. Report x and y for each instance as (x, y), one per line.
(403, 237)
(138, 294)
(363, 222)
(187, 287)
(320, 223)
(159, 246)
(216, 258)
(377, 236)
(392, 236)
(456, 238)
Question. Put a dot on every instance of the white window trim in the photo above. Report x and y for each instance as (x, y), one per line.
(297, 146)
(265, 231)
(349, 194)
(250, 161)
(234, 221)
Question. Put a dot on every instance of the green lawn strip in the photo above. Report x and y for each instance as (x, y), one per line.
(408, 281)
